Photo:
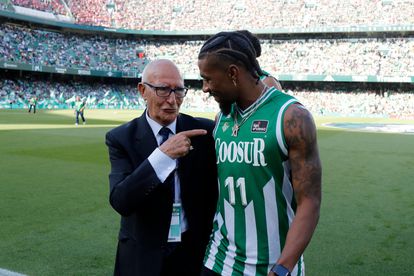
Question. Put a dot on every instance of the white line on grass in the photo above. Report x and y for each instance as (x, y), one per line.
(5, 272)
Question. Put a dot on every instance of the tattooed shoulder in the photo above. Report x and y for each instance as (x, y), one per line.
(299, 126)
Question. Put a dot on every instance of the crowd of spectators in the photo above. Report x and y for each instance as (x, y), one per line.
(52, 6)
(15, 93)
(230, 14)
(34, 46)
(4, 5)
(251, 14)
(362, 56)
(390, 57)
(358, 103)
(90, 12)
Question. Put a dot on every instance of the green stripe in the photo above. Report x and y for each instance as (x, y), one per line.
(261, 270)
(215, 227)
(299, 266)
(261, 229)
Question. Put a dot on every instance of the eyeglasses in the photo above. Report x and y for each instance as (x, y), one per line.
(165, 91)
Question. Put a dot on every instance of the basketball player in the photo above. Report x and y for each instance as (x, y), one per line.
(269, 170)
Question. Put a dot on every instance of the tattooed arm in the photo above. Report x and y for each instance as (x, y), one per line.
(300, 135)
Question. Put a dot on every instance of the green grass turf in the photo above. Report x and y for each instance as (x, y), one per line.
(55, 218)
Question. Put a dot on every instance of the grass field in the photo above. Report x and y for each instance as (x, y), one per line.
(55, 218)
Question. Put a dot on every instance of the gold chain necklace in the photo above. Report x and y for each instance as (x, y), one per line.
(237, 125)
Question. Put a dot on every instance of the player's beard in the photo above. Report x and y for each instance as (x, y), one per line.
(225, 107)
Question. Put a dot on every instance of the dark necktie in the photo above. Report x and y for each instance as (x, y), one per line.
(165, 133)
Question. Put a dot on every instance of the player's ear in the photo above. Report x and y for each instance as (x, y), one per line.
(232, 71)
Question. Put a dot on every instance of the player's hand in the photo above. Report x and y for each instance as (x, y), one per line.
(179, 145)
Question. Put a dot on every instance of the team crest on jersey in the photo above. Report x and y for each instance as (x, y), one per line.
(259, 126)
(225, 126)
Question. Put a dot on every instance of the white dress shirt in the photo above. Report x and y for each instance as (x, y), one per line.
(163, 165)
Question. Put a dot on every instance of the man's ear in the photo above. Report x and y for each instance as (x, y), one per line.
(233, 71)
(141, 89)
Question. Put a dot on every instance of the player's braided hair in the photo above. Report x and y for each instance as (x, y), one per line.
(256, 44)
(254, 40)
(235, 47)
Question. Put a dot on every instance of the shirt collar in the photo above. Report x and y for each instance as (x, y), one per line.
(155, 127)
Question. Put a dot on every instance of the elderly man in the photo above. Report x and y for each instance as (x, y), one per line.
(163, 181)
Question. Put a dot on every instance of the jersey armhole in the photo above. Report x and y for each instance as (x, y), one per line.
(280, 133)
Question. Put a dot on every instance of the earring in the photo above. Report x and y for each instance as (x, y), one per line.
(234, 83)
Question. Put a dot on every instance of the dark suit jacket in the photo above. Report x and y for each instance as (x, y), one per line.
(146, 205)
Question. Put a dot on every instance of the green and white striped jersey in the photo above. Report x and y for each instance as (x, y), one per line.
(256, 204)
(79, 105)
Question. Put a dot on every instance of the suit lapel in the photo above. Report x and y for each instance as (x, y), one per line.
(183, 169)
(145, 140)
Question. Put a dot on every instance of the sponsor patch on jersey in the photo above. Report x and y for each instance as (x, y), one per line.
(225, 126)
(259, 126)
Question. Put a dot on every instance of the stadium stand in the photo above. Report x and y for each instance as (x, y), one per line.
(35, 46)
(91, 12)
(391, 103)
(250, 14)
(364, 56)
(5, 5)
(385, 56)
(357, 103)
(52, 6)
(352, 56)
(52, 94)
(233, 14)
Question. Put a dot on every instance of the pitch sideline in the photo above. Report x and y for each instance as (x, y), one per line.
(5, 272)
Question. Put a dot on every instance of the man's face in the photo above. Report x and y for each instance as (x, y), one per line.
(162, 110)
(218, 83)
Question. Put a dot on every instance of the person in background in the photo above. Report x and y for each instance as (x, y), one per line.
(32, 103)
(79, 110)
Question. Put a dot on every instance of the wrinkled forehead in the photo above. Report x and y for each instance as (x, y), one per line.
(163, 73)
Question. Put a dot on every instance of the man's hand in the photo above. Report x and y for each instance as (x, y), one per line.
(180, 144)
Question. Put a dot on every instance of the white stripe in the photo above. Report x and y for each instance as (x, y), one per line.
(217, 238)
(259, 101)
(279, 127)
(303, 266)
(231, 250)
(217, 124)
(251, 240)
(295, 269)
(272, 221)
(5, 272)
(287, 191)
